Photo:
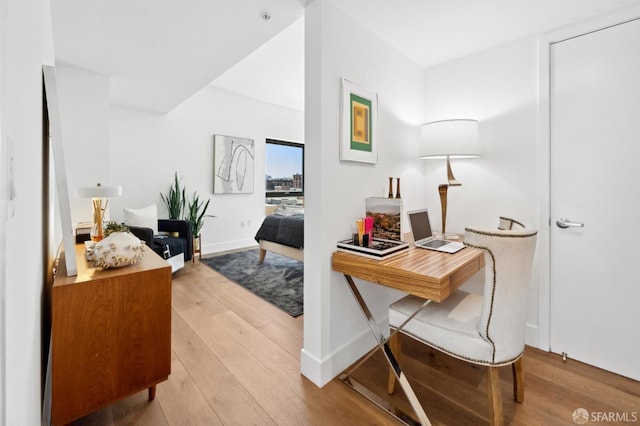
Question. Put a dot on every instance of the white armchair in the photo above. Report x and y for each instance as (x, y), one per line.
(486, 329)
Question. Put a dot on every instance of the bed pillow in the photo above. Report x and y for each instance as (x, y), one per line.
(146, 217)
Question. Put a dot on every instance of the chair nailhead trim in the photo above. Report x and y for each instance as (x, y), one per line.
(495, 234)
(493, 262)
(462, 357)
(493, 292)
(511, 222)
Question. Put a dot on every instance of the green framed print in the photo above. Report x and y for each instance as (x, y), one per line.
(358, 123)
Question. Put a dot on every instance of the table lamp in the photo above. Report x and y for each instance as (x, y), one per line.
(97, 194)
(449, 139)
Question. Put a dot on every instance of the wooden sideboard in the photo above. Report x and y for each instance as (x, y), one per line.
(111, 334)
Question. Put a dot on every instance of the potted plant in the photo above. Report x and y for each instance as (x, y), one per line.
(175, 200)
(196, 210)
(115, 227)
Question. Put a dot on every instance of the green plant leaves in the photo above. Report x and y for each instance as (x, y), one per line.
(196, 212)
(175, 200)
(179, 206)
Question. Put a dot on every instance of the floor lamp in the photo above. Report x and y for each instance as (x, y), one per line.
(449, 139)
(97, 194)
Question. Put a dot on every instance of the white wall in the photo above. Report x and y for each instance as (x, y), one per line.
(24, 40)
(335, 331)
(141, 151)
(498, 87)
(84, 122)
(146, 149)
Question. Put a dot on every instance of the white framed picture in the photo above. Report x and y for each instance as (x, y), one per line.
(358, 123)
(233, 162)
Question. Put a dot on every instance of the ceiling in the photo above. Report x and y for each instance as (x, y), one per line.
(158, 53)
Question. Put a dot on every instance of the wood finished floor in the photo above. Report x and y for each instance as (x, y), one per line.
(236, 361)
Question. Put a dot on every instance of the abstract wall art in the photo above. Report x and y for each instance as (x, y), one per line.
(358, 124)
(233, 162)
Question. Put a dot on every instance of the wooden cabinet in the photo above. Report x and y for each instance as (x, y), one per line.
(111, 334)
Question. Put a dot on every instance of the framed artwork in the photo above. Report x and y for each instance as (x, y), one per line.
(233, 163)
(358, 124)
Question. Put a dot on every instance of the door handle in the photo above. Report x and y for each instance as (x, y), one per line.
(566, 223)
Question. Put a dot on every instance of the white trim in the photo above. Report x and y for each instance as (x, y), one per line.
(545, 41)
(322, 371)
(531, 335)
(228, 246)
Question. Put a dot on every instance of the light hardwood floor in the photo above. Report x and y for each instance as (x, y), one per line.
(236, 361)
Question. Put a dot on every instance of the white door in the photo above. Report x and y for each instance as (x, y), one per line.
(595, 181)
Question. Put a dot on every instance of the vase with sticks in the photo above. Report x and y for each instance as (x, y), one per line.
(98, 194)
(97, 228)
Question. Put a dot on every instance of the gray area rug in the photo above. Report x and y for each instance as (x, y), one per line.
(278, 279)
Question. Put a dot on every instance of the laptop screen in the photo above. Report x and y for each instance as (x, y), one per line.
(420, 226)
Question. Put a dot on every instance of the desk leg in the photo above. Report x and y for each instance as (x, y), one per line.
(391, 359)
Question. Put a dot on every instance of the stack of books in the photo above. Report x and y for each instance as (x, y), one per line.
(377, 249)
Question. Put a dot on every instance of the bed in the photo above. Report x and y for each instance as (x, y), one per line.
(283, 234)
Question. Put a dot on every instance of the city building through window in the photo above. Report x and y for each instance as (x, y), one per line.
(284, 172)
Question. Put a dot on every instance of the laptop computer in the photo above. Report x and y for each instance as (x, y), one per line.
(423, 237)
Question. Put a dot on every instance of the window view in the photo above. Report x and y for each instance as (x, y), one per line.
(284, 170)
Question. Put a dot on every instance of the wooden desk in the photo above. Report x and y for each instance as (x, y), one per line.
(428, 274)
(425, 273)
(111, 334)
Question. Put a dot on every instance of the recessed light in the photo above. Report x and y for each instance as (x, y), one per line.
(265, 16)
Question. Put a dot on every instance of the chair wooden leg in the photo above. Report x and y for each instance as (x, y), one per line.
(394, 345)
(518, 380)
(495, 396)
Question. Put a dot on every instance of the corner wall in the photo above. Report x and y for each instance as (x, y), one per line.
(24, 42)
(498, 87)
(335, 332)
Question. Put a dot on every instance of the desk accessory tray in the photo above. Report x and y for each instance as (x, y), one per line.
(378, 249)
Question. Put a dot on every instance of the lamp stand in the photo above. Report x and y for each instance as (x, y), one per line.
(442, 190)
(450, 177)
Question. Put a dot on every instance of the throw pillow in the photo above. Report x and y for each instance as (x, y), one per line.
(117, 250)
(146, 217)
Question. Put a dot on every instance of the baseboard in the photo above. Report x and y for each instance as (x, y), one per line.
(227, 246)
(312, 368)
(531, 336)
(322, 371)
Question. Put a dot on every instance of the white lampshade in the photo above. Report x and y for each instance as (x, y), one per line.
(98, 191)
(449, 138)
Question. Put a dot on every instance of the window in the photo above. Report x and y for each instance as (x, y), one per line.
(284, 170)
